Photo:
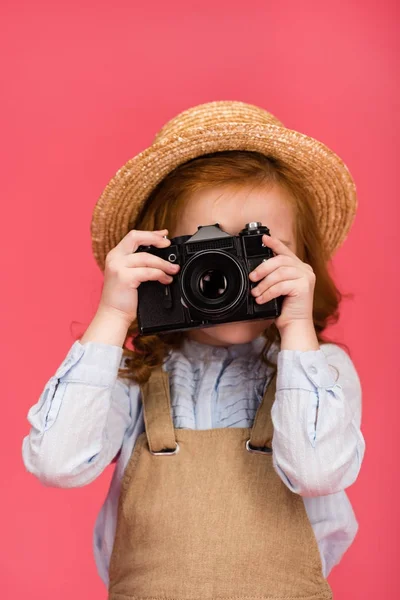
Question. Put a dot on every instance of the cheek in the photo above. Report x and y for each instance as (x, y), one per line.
(238, 329)
(261, 325)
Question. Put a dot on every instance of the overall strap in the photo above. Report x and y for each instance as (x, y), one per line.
(262, 430)
(158, 420)
(157, 412)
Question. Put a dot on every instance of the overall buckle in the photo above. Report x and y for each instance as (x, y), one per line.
(166, 452)
(258, 450)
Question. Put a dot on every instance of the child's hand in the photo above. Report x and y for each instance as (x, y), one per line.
(285, 275)
(125, 270)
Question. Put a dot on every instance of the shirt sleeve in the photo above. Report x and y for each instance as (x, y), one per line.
(80, 419)
(317, 444)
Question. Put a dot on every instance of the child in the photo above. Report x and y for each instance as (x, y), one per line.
(233, 443)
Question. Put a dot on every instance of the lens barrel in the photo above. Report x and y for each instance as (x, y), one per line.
(213, 282)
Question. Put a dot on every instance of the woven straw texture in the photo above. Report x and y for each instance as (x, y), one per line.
(215, 127)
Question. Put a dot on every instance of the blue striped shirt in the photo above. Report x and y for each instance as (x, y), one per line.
(86, 415)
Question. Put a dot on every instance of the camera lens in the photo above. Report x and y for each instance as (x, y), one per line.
(213, 283)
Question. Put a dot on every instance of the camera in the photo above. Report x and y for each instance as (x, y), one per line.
(212, 285)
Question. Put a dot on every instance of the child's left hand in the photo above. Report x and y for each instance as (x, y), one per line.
(285, 275)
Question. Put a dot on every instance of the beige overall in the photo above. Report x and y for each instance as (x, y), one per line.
(210, 519)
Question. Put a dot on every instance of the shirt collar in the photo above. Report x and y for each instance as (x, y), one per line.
(198, 350)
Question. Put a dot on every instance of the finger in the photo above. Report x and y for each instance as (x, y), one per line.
(271, 264)
(277, 246)
(283, 288)
(135, 238)
(148, 274)
(144, 259)
(280, 274)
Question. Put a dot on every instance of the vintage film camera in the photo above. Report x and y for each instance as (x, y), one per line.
(212, 285)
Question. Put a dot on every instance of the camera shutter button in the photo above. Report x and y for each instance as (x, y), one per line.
(253, 225)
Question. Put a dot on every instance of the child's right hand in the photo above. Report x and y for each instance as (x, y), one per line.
(125, 270)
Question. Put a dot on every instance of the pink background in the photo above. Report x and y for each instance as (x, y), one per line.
(85, 87)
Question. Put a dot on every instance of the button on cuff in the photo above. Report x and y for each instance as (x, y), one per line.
(291, 374)
(317, 368)
(306, 370)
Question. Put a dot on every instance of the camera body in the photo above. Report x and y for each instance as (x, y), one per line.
(212, 285)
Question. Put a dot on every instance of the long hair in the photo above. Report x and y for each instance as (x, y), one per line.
(236, 169)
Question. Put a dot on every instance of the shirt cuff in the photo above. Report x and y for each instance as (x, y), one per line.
(93, 363)
(304, 370)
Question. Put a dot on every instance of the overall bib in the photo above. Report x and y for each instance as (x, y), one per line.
(203, 515)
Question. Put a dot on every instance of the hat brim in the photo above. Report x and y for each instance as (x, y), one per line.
(325, 176)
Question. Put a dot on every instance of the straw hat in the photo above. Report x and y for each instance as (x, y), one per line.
(218, 126)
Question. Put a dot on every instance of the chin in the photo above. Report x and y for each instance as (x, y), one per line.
(240, 332)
